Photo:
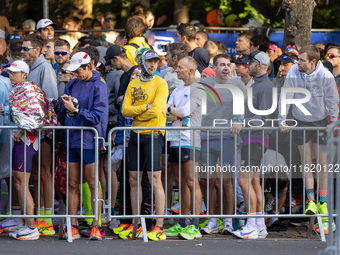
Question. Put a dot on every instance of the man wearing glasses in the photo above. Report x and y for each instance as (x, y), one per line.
(61, 56)
(92, 95)
(110, 23)
(333, 56)
(310, 74)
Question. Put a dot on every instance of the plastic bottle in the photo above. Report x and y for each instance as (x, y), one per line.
(7, 113)
(186, 122)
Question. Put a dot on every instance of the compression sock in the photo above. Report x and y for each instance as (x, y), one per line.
(310, 194)
(323, 196)
(48, 211)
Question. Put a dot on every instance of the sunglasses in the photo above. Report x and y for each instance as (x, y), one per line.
(331, 55)
(285, 57)
(25, 48)
(63, 71)
(108, 19)
(63, 53)
(14, 36)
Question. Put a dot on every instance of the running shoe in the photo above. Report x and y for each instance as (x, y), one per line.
(127, 234)
(220, 224)
(27, 233)
(157, 234)
(203, 224)
(10, 224)
(87, 231)
(311, 209)
(325, 226)
(228, 229)
(323, 210)
(203, 208)
(174, 230)
(262, 233)
(121, 227)
(175, 208)
(46, 230)
(299, 222)
(74, 232)
(189, 233)
(210, 228)
(83, 225)
(95, 233)
(247, 232)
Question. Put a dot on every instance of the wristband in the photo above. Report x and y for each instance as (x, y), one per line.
(147, 107)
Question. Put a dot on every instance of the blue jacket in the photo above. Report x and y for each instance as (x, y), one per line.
(92, 97)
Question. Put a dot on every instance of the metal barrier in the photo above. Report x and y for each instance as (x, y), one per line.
(333, 245)
(67, 215)
(175, 134)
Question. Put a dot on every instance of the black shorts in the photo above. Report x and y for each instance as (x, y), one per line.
(255, 155)
(145, 152)
(311, 134)
(186, 154)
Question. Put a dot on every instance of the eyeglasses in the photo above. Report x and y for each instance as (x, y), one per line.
(331, 55)
(14, 36)
(13, 73)
(63, 53)
(108, 19)
(63, 71)
(25, 48)
(285, 57)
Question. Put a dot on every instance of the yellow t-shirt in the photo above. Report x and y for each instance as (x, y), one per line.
(131, 50)
(139, 94)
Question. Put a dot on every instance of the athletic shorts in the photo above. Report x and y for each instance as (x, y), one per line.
(186, 154)
(167, 143)
(18, 158)
(311, 134)
(144, 152)
(214, 151)
(255, 155)
(75, 155)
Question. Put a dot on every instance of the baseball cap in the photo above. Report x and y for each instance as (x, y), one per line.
(288, 58)
(151, 54)
(45, 23)
(259, 57)
(113, 51)
(240, 59)
(253, 23)
(78, 59)
(18, 66)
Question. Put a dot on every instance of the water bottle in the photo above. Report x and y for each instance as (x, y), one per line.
(7, 113)
(76, 105)
(186, 122)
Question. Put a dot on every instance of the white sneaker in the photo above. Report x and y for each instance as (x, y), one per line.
(247, 232)
(11, 224)
(263, 233)
(210, 228)
(27, 234)
(105, 219)
(203, 208)
(228, 229)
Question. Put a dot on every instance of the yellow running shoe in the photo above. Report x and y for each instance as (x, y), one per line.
(121, 227)
(127, 234)
(311, 209)
(45, 230)
(157, 234)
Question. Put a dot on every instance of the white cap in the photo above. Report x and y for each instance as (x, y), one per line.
(45, 23)
(18, 66)
(253, 23)
(78, 59)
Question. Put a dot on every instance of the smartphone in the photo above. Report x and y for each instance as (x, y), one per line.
(64, 96)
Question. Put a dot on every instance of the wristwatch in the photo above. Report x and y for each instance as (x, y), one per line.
(76, 112)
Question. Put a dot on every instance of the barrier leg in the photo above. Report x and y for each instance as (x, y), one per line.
(69, 230)
(135, 227)
(145, 232)
(310, 228)
(61, 228)
(322, 233)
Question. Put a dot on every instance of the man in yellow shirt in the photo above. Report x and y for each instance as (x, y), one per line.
(145, 101)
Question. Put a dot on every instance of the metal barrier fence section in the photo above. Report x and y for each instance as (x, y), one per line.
(26, 166)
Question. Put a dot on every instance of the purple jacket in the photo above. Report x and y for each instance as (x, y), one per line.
(92, 97)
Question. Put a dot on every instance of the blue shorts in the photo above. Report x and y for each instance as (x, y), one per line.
(75, 155)
(18, 157)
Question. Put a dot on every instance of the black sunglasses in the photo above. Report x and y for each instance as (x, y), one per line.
(108, 19)
(285, 57)
(63, 71)
(63, 53)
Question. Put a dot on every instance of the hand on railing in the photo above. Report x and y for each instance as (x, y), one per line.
(235, 129)
(17, 136)
(284, 128)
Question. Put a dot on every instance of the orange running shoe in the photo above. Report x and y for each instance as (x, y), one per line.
(46, 230)
(75, 234)
(95, 233)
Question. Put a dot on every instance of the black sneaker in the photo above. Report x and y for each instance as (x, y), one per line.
(83, 226)
(277, 226)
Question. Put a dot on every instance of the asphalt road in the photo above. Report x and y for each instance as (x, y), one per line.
(173, 246)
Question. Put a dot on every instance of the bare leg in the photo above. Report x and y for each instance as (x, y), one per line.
(73, 197)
